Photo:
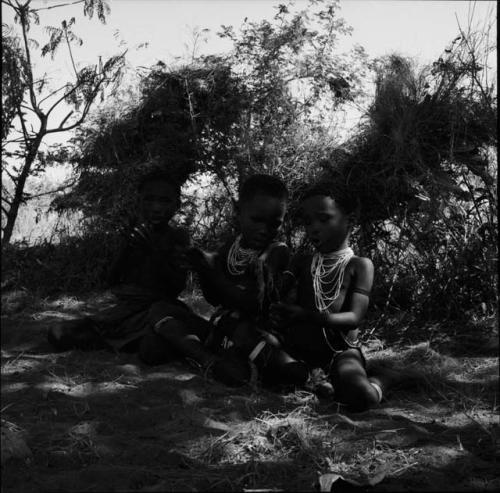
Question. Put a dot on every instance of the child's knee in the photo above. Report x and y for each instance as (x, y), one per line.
(154, 350)
(171, 329)
(282, 369)
(359, 395)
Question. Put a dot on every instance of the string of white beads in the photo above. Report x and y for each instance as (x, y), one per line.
(238, 258)
(327, 271)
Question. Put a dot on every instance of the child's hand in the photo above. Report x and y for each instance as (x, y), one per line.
(179, 257)
(139, 236)
(282, 314)
(199, 260)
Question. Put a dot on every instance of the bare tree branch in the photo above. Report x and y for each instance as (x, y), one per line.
(50, 192)
(466, 38)
(73, 89)
(59, 5)
(51, 94)
(13, 141)
(10, 175)
(85, 111)
(5, 199)
(66, 118)
(23, 127)
(23, 12)
(70, 52)
(9, 3)
(28, 108)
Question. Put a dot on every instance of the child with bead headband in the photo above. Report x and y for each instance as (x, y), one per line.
(333, 291)
(242, 279)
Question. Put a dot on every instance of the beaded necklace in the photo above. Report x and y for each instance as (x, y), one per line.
(238, 258)
(328, 270)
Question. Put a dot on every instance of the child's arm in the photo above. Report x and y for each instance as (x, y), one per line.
(116, 270)
(279, 258)
(139, 242)
(363, 279)
(129, 239)
(217, 288)
(172, 264)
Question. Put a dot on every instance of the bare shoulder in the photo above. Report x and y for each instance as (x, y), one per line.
(362, 265)
(278, 249)
(180, 235)
(278, 245)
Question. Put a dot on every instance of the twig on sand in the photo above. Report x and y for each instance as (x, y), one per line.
(401, 469)
(262, 490)
(488, 432)
(6, 407)
(14, 360)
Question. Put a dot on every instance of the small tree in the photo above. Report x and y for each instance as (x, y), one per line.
(28, 101)
(296, 80)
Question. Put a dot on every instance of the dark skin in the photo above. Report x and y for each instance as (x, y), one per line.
(260, 219)
(158, 203)
(166, 248)
(147, 268)
(328, 227)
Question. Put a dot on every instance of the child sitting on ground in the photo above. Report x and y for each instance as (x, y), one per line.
(146, 278)
(333, 293)
(242, 278)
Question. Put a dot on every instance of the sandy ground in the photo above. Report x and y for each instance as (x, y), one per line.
(98, 421)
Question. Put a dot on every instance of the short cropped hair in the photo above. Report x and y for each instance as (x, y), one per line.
(346, 201)
(157, 175)
(265, 185)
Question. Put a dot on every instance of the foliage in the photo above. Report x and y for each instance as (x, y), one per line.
(260, 108)
(424, 171)
(176, 109)
(75, 265)
(13, 81)
(296, 81)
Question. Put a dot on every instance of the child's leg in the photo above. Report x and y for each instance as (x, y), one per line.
(174, 333)
(75, 334)
(155, 350)
(351, 383)
(277, 366)
(185, 339)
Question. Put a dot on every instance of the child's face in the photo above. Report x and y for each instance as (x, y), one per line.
(159, 202)
(260, 219)
(326, 225)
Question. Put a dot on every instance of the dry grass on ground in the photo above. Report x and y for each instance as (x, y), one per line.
(104, 422)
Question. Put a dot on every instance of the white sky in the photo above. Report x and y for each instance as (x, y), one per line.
(417, 28)
(420, 28)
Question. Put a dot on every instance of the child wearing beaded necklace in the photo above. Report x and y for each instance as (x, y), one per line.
(242, 279)
(333, 289)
